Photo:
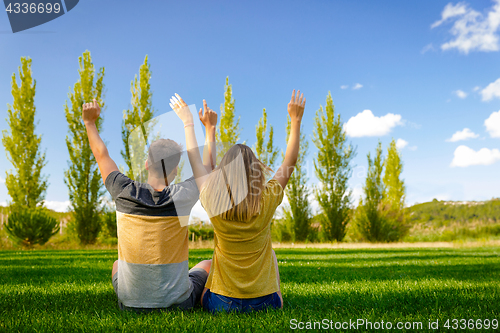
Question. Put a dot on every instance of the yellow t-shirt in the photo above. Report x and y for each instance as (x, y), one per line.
(243, 264)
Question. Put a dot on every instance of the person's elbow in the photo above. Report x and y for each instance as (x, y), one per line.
(101, 154)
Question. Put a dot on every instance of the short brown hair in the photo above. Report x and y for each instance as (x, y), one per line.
(163, 156)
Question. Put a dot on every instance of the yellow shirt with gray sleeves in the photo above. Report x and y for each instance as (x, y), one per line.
(243, 264)
(152, 243)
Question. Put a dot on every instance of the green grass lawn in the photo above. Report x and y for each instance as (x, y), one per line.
(45, 291)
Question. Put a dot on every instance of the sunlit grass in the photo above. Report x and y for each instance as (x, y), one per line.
(72, 291)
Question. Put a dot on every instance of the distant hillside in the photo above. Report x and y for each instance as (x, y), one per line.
(441, 213)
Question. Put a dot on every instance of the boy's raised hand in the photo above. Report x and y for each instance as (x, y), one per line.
(207, 116)
(296, 106)
(90, 112)
(181, 109)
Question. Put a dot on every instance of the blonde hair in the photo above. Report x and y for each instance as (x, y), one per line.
(234, 188)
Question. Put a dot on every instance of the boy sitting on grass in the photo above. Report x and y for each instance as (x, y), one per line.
(152, 267)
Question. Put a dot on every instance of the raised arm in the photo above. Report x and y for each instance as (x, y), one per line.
(209, 119)
(182, 110)
(296, 111)
(90, 113)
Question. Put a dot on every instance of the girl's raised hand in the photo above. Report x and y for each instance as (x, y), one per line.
(207, 116)
(296, 106)
(181, 109)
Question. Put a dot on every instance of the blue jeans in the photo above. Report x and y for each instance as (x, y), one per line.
(217, 303)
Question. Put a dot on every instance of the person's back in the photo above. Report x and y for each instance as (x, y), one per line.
(244, 274)
(152, 243)
(242, 264)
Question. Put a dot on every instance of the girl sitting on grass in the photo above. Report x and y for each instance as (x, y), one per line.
(244, 272)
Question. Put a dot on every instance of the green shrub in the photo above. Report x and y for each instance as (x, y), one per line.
(313, 236)
(206, 232)
(109, 222)
(379, 224)
(30, 227)
(282, 231)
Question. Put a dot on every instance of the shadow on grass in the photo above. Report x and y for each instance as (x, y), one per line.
(38, 257)
(321, 274)
(401, 260)
(65, 299)
(425, 303)
(387, 251)
(53, 274)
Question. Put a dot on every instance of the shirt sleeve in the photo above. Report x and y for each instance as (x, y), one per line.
(274, 194)
(185, 196)
(116, 182)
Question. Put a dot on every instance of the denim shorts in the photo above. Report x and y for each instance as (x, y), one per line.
(198, 277)
(214, 303)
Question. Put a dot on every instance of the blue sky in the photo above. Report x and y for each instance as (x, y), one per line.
(426, 70)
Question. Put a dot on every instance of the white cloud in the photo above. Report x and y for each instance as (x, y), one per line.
(345, 86)
(464, 134)
(491, 91)
(58, 206)
(493, 124)
(450, 11)
(413, 125)
(2, 180)
(476, 88)
(400, 143)
(3, 203)
(472, 31)
(366, 124)
(427, 48)
(357, 86)
(465, 156)
(460, 94)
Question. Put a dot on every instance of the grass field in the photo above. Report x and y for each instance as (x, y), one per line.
(46, 291)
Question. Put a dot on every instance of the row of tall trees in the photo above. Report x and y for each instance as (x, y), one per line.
(383, 195)
(380, 214)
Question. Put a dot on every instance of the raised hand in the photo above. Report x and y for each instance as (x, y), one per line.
(207, 116)
(181, 109)
(90, 112)
(296, 111)
(296, 106)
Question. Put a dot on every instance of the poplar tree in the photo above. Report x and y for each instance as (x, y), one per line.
(82, 177)
(380, 216)
(394, 186)
(297, 213)
(369, 220)
(393, 210)
(228, 131)
(266, 152)
(138, 116)
(333, 169)
(28, 222)
(25, 184)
